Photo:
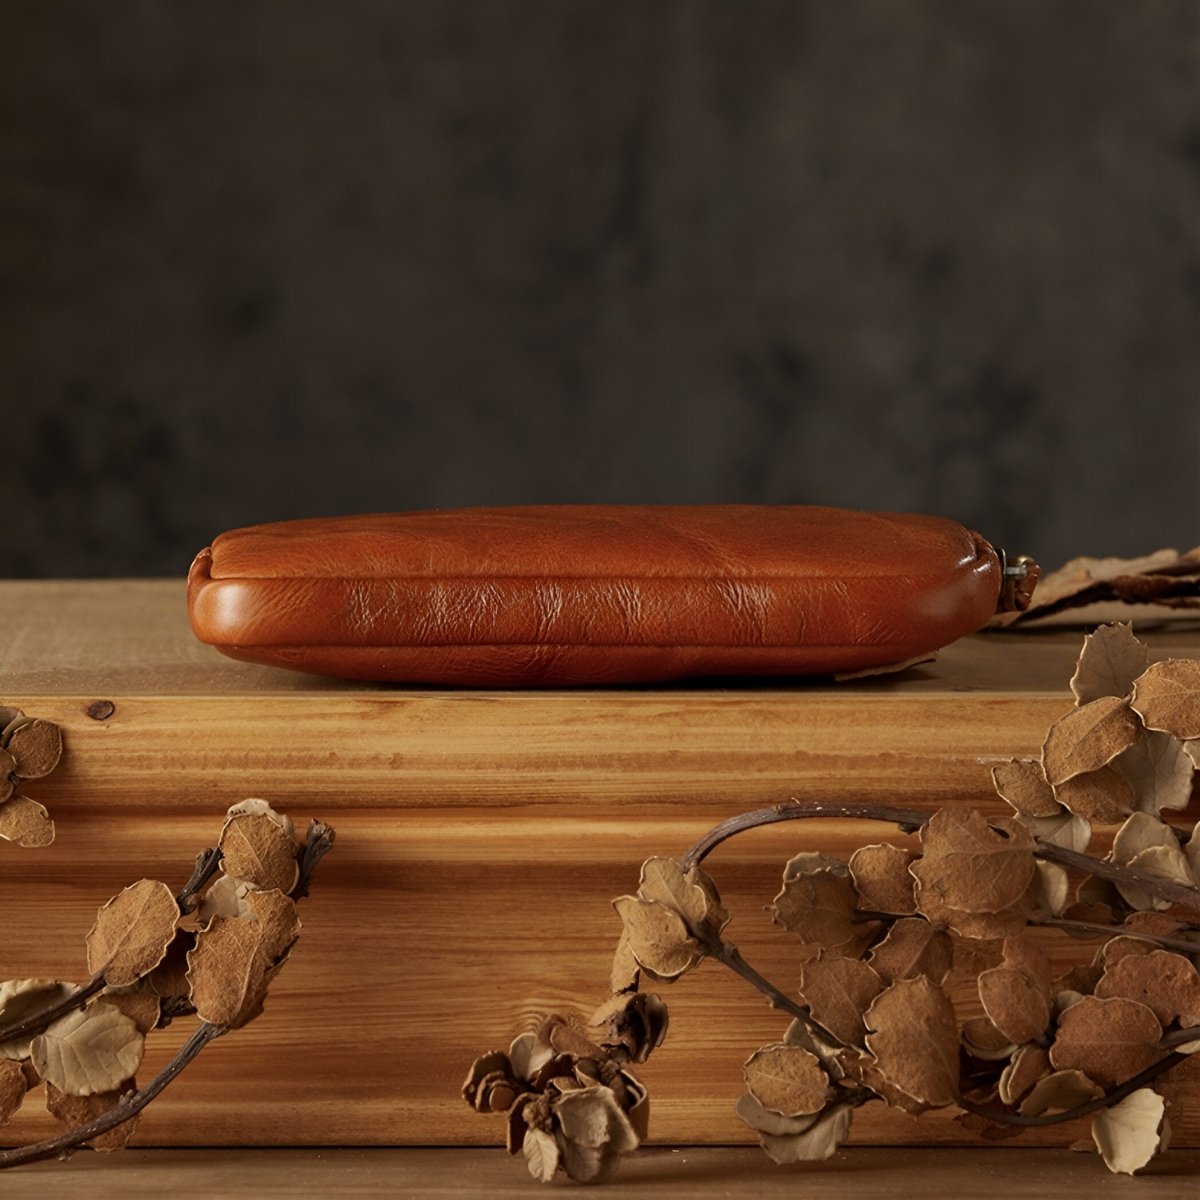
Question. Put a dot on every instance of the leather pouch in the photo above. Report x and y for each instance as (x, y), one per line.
(592, 594)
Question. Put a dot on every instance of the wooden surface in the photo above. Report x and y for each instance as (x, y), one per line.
(699, 1173)
(481, 835)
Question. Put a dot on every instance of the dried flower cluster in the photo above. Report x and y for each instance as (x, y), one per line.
(1165, 578)
(210, 950)
(30, 748)
(879, 936)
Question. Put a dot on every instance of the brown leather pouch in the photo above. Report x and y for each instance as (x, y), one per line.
(592, 594)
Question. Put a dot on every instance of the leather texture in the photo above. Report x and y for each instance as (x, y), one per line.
(592, 594)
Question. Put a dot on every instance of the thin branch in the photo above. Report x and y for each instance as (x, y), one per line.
(31, 1026)
(1106, 1101)
(207, 862)
(909, 821)
(317, 844)
(1178, 1037)
(1100, 930)
(125, 1108)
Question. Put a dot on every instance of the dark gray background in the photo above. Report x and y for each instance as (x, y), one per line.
(262, 260)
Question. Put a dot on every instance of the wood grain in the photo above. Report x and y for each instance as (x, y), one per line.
(481, 835)
(693, 1172)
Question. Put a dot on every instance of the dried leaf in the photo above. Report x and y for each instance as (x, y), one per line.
(1159, 772)
(1016, 1006)
(1102, 796)
(658, 938)
(1052, 888)
(981, 1039)
(624, 973)
(1028, 1065)
(819, 1141)
(1128, 1133)
(1168, 863)
(786, 1079)
(541, 1155)
(1109, 1040)
(691, 893)
(977, 926)
(257, 848)
(1066, 830)
(1059, 1092)
(74, 1111)
(21, 999)
(1088, 738)
(234, 960)
(132, 932)
(819, 908)
(767, 1120)
(25, 822)
(1112, 658)
(169, 978)
(138, 1003)
(1166, 983)
(36, 746)
(89, 1051)
(13, 1087)
(971, 865)
(837, 992)
(225, 897)
(255, 807)
(913, 947)
(1028, 959)
(594, 1133)
(914, 1038)
(882, 878)
(1167, 697)
(1022, 783)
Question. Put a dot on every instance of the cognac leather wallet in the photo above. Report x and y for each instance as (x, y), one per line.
(592, 594)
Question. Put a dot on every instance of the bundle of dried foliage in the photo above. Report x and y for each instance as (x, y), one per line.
(210, 951)
(878, 936)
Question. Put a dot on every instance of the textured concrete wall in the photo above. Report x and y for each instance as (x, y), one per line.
(270, 259)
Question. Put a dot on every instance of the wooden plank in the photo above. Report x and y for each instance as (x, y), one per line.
(693, 1172)
(481, 835)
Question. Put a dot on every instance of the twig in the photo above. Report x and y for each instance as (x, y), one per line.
(33, 1025)
(1178, 1037)
(207, 862)
(125, 1108)
(1100, 930)
(1106, 1101)
(317, 844)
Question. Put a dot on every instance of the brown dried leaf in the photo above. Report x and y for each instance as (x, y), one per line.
(882, 878)
(1059, 1092)
(1166, 983)
(89, 1051)
(819, 908)
(254, 847)
(1158, 770)
(625, 972)
(1030, 961)
(1140, 832)
(981, 1039)
(1088, 738)
(225, 897)
(913, 947)
(837, 992)
(786, 1079)
(1052, 888)
(13, 1087)
(74, 1111)
(1167, 697)
(1028, 1065)
(658, 938)
(25, 822)
(137, 1002)
(1016, 1006)
(169, 979)
(595, 1132)
(691, 893)
(36, 746)
(1102, 796)
(1109, 1040)
(256, 807)
(1112, 658)
(1066, 830)
(971, 865)
(1130, 1133)
(977, 926)
(1022, 783)
(21, 999)
(1168, 863)
(914, 1038)
(234, 960)
(819, 1141)
(132, 932)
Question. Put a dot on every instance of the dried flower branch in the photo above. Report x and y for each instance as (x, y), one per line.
(871, 1017)
(212, 949)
